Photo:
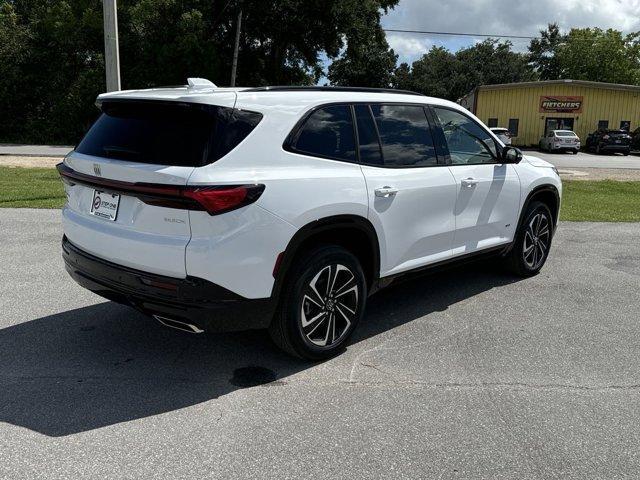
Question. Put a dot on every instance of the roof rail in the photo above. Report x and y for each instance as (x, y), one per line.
(296, 88)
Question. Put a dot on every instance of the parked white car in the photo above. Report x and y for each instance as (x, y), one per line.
(285, 208)
(560, 140)
(503, 134)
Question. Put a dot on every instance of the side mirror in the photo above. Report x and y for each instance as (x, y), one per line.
(511, 155)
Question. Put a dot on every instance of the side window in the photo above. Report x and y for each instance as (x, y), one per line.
(405, 136)
(368, 141)
(468, 142)
(328, 133)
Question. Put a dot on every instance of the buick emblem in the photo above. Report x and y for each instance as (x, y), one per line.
(96, 170)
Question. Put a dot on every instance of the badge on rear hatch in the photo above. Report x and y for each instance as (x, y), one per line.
(105, 205)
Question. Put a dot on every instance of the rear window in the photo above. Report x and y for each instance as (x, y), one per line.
(167, 134)
(565, 134)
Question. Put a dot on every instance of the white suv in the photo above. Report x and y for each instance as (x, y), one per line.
(285, 208)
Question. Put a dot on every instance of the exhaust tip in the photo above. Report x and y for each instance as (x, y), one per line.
(177, 324)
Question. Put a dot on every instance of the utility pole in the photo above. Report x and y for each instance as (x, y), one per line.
(234, 65)
(111, 51)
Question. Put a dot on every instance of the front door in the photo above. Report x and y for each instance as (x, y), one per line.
(558, 124)
(488, 192)
(411, 194)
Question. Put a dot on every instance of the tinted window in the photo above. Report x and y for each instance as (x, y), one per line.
(232, 127)
(513, 126)
(468, 142)
(328, 132)
(405, 135)
(367, 136)
(164, 134)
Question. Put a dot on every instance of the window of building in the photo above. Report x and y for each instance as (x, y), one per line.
(405, 136)
(368, 141)
(468, 142)
(625, 125)
(514, 123)
(328, 133)
(493, 122)
(603, 124)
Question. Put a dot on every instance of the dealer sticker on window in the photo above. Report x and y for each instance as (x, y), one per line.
(105, 205)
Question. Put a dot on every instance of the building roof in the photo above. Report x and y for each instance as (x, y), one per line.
(542, 83)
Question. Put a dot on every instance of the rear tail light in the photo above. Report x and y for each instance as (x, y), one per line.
(606, 137)
(221, 199)
(212, 199)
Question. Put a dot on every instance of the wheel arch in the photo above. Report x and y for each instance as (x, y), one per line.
(547, 194)
(352, 232)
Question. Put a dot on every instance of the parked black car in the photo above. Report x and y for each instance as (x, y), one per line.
(605, 140)
(635, 139)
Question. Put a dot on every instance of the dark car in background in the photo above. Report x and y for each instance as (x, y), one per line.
(635, 139)
(605, 140)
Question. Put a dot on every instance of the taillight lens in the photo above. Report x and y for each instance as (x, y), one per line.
(606, 137)
(212, 199)
(221, 199)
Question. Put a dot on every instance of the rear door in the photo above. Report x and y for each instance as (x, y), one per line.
(411, 194)
(138, 142)
(488, 192)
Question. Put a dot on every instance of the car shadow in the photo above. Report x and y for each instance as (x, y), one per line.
(104, 364)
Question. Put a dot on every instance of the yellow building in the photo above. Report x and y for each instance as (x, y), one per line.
(530, 109)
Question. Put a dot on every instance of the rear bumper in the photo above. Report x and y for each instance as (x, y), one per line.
(193, 300)
(615, 147)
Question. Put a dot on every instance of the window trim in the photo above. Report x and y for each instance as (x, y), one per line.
(496, 161)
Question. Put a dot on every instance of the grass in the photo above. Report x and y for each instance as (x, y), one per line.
(31, 187)
(600, 201)
(596, 201)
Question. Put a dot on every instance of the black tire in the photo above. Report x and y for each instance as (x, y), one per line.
(529, 236)
(312, 273)
(598, 149)
(626, 152)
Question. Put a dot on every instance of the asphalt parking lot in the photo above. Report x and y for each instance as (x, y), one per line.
(584, 159)
(468, 374)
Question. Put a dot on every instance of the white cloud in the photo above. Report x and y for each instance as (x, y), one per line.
(505, 17)
(408, 46)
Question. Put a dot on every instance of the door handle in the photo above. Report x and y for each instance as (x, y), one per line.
(385, 191)
(469, 182)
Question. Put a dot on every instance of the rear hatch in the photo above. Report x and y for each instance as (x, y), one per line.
(619, 137)
(135, 157)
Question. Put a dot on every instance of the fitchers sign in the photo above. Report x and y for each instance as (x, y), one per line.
(560, 104)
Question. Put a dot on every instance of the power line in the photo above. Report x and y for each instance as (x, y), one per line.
(564, 38)
(456, 34)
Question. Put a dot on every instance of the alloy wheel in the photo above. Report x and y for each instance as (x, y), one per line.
(329, 305)
(537, 239)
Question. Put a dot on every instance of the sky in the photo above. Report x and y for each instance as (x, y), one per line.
(498, 17)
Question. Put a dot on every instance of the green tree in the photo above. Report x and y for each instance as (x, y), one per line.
(543, 52)
(52, 65)
(367, 60)
(600, 56)
(440, 73)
